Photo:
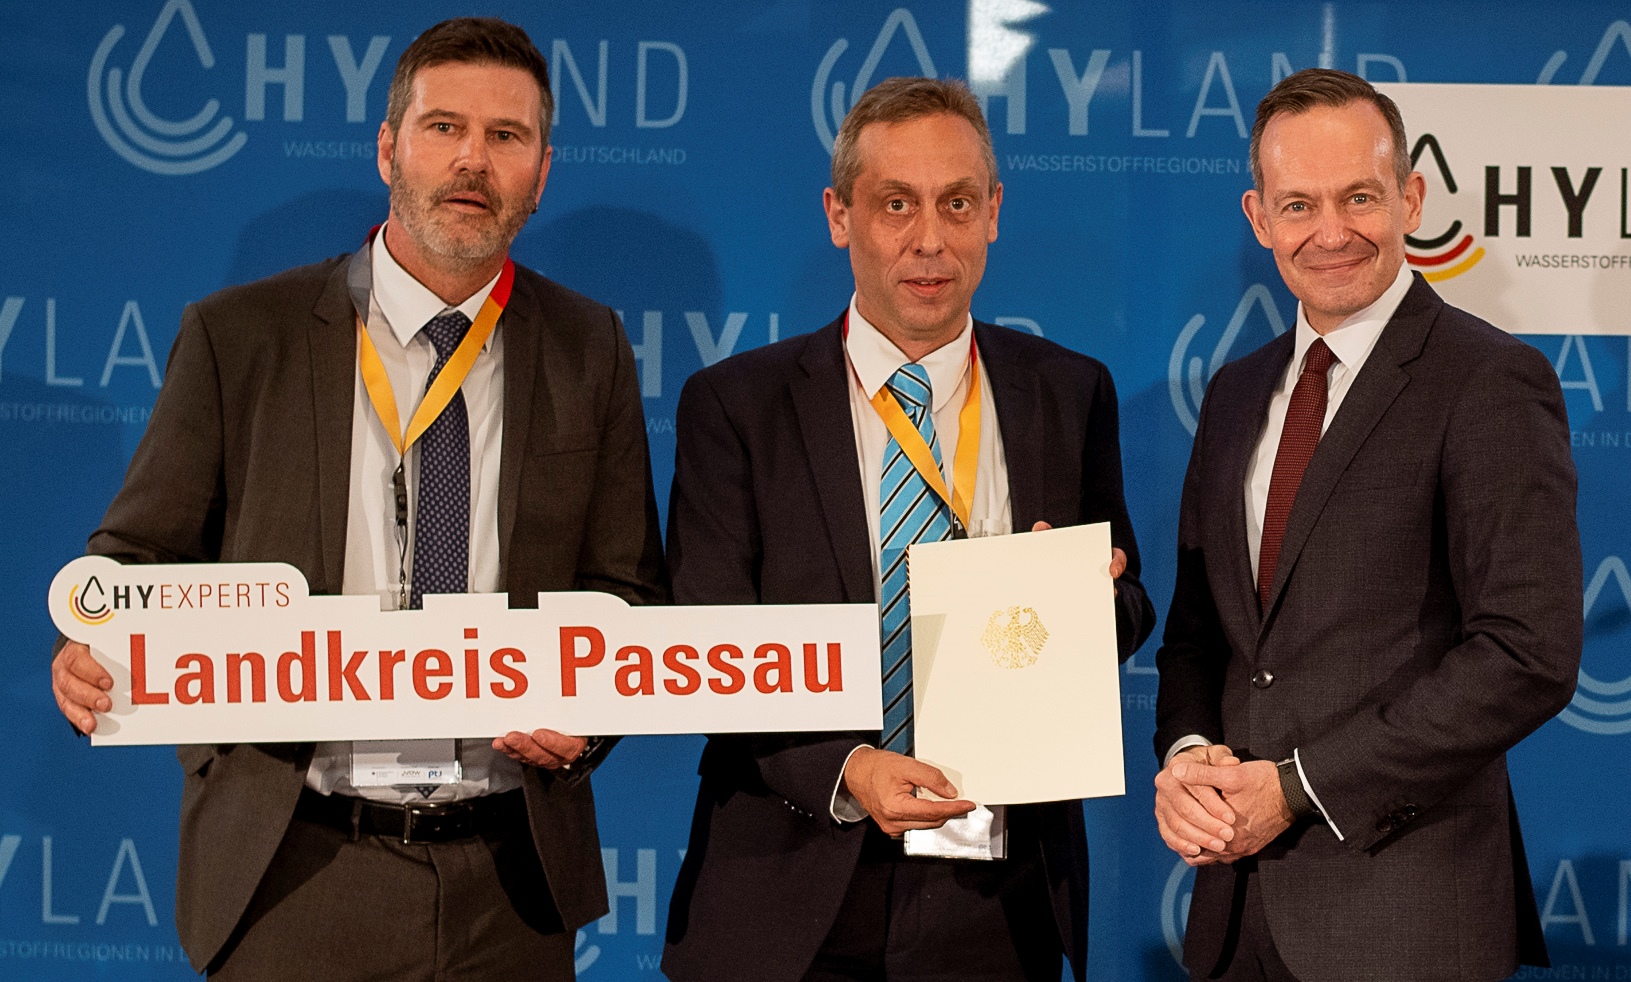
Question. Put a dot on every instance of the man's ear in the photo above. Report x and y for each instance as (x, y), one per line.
(838, 216)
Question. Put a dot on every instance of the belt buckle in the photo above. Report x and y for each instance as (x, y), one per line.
(415, 811)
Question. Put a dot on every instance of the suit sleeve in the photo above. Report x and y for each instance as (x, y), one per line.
(715, 552)
(1103, 500)
(1507, 485)
(1194, 651)
(171, 506)
(622, 547)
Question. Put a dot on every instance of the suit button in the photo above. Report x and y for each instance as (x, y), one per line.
(1263, 679)
(1385, 825)
(1408, 812)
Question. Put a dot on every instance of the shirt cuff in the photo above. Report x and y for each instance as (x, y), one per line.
(844, 808)
(1303, 776)
(1184, 743)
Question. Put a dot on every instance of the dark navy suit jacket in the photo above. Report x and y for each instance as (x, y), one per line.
(1424, 617)
(767, 507)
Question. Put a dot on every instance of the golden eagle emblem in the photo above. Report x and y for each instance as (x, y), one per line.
(1014, 636)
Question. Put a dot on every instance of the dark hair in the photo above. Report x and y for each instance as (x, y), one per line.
(474, 40)
(1302, 91)
(896, 100)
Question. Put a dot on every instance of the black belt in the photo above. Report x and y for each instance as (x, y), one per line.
(420, 822)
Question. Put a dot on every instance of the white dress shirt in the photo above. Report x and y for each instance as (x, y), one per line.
(873, 358)
(398, 307)
(1351, 342)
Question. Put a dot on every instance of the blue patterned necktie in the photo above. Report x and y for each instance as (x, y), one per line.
(441, 546)
(909, 511)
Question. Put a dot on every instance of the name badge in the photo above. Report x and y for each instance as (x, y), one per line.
(391, 763)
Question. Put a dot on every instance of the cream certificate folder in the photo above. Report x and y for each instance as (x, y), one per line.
(1015, 680)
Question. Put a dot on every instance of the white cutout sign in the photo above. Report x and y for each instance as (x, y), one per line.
(229, 653)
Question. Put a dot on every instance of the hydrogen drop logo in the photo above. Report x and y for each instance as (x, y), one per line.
(584, 954)
(1448, 255)
(1175, 909)
(1602, 707)
(1187, 375)
(829, 106)
(135, 132)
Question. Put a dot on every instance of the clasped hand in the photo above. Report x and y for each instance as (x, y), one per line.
(1211, 808)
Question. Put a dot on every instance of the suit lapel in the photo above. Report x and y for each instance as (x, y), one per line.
(1238, 445)
(1378, 384)
(821, 401)
(522, 324)
(1018, 397)
(333, 348)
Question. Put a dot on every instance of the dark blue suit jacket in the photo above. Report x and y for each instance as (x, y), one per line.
(1424, 617)
(767, 507)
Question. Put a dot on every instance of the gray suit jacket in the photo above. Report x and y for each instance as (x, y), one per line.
(1424, 618)
(247, 458)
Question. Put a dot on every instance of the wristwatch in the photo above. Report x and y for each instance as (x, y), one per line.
(1291, 785)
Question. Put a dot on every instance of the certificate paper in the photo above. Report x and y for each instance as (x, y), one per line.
(1015, 681)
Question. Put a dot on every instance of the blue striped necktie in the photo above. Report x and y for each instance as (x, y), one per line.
(909, 511)
(441, 535)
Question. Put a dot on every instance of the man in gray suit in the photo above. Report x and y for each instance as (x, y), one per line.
(268, 443)
(1378, 592)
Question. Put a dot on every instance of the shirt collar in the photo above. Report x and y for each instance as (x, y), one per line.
(876, 358)
(408, 304)
(1352, 340)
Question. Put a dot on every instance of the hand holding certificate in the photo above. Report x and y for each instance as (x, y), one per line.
(1015, 680)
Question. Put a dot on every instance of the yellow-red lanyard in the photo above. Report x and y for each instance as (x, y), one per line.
(380, 394)
(966, 462)
(453, 374)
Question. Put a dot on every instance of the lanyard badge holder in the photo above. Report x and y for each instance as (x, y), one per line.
(417, 763)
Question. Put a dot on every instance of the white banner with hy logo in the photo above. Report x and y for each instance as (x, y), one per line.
(229, 653)
(1526, 221)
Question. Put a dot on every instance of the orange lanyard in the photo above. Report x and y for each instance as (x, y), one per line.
(453, 374)
(965, 465)
(383, 398)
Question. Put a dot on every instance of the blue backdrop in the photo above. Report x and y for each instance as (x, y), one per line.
(155, 152)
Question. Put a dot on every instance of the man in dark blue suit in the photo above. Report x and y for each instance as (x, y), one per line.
(1378, 592)
(788, 488)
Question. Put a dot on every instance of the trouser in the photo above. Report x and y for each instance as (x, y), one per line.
(340, 906)
(916, 919)
(1249, 954)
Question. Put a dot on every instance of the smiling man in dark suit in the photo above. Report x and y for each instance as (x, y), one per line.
(790, 487)
(1378, 592)
(267, 443)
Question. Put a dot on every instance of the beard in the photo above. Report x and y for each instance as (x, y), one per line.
(461, 242)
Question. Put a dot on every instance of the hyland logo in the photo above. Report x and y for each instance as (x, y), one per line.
(1175, 909)
(1601, 707)
(1187, 376)
(89, 602)
(136, 133)
(995, 51)
(177, 147)
(1444, 256)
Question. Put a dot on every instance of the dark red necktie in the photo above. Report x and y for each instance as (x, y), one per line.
(1305, 417)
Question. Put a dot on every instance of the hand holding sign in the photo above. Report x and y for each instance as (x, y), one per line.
(80, 686)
